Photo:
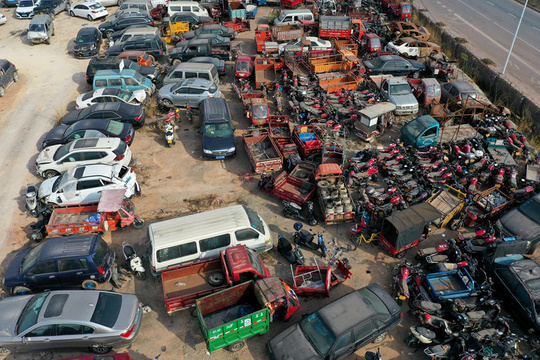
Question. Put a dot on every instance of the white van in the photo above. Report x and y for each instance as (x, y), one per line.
(201, 236)
(186, 6)
(293, 17)
(177, 73)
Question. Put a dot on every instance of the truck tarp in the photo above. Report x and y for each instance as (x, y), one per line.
(410, 223)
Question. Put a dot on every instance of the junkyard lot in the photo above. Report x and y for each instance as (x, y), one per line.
(174, 181)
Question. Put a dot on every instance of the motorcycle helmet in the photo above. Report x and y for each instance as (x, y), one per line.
(426, 318)
(297, 226)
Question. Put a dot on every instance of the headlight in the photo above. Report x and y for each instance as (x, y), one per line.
(208, 152)
(232, 149)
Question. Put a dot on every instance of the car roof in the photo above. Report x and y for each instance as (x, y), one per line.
(93, 170)
(198, 40)
(108, 91)
(95, 143)
(203, 59)
(68, 247)
(196, 82)
(88, 124)
(114, 106)
(132, 53)
(528, 272)
(87, 30)
(462, 85)
(67, 305)
(389, 57)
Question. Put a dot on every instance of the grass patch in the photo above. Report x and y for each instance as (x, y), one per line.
(460, 40)
(440, 23)
(487, 61)
(58, 114)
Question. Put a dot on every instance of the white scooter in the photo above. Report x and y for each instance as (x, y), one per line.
(32, 204)
(169, 133)
(133, 261)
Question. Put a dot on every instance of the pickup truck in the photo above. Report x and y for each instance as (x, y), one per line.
(52, 7)
(184, 284)
(237, 313)
(397, 91)
(186, 50)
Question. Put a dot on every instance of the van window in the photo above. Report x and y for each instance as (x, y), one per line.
(191, 75)
(131, 82)
(246, 234)
(254, 220)
(177, 75)
(44, 268)
(115, 82)
(101, 83)
(215, 242)
(186, 8)
(176, 252)
(69, 265)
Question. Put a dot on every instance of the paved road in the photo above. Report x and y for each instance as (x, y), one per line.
(489, 27)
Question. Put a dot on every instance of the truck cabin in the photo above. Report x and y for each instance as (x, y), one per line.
(404, 11)
(371, 42)
(430, 92)
(258, 111)
(244, 264)
(421, 132)
(374, 120)
(243, 66)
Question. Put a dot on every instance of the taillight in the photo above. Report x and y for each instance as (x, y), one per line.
(94, 12)
(128, 138)
(131, 170)
(369, 70)
(458, 98)
(87, 77)
(101, 270)
(152, 23)
(128, 333)
(119, 157)
(138, 118)
(211, 96)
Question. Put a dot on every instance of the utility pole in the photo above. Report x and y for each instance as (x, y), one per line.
(515, 36)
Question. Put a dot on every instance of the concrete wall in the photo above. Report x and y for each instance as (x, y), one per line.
(497, 89)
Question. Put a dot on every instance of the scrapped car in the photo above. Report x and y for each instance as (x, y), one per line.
(405, 28)
(315, 42)
(210, 29)
(340, 328)
(84, 184)
(89, 10)
(412, 47)
(456, 91)
(218, 63)
(217, 41)
(55, 159)
(394, 65)
(8, 75)
(188, 92)
(522, 222)
(109, 27)
(62, 262)
(118, 111)
(88, 42)
(95, 320)
(104, 62)
(138, 56)
(104, 95)
(51, 7)
(62, 134)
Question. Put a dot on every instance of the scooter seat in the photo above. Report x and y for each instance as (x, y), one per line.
(425, 332)
(476, 315)
(429, 306)
(296, 206)
(306, 234)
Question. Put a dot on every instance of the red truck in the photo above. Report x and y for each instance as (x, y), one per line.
(279, 127)
(256, 108)
(307, 140)
(262, 36)
(338, 27)
(183, 285)
(262, 152)
(297, 187)
(398, 10)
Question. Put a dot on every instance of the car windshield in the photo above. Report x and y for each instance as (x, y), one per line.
(433, 91)
(213, 88)
(115, 127)
(94, 6)
(30, 313)
(30, 259)
(254, 220)
(218, 130)
(84, 38)
(255, 261)
(377, 62)
(414, 128)
(260, 111)
(107, 309)
(318, 333)
(26, 3)
(531, 209)
(400, 89)
(36, 27)
(242, 66)
(62, 151)
(124, 94)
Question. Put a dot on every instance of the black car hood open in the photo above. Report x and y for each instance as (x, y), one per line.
(291, 344)
(56, 133)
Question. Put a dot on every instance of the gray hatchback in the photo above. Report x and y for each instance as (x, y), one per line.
(188, 92)
(97, 320)
(456, 91)
(8, 75)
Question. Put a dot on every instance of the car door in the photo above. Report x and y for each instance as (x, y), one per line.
(343, 346)
(181, 96)
(72, 272)
(389, 67)
(70, 160)
(72, 335)
(363, 333)
(508, 283)
(195, 96)
(43, 275)
(80, 10)
(39, 337)
(111, 115)
(445, 91)
(412, 48)
(88, 190)
(403, 68)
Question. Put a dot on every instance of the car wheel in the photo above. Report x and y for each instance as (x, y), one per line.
(236, 346)
(216, 279)
(16, 77)
(50, 174)
(71, 13)
(167, 103)
(235, 33)
(100, 348)
(89, 17)
(416, 75)
(21, 290)
(380, 338)
(89, 285)
(52, 14)
(108, 34)
(176, 61)
(48, 41)
(2, 91)
(151, 57)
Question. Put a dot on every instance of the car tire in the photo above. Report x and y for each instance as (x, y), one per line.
(49, 174)
(236, 346)
(2, 91)
(415, 75)
(21, 290)
(89, 284)
(100, 348)
(167, 103)
(16, 76)
(176, 61)
(71, 13)
(52, 15)
(48, 42)
(90, 18)
(216, 279)
(380, 338)
(108, 34)
(151, 57)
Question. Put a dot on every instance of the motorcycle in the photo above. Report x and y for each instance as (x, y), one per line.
(285, 248)
(304, 237)
(293, 210)
(401, 278)
(32, 204)
(169, 133)
(434, 330)
(133, 261)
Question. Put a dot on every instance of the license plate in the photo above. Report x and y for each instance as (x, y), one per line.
(128, 179)
(220, 157)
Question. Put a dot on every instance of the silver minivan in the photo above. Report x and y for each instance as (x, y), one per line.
(146, 32)
(144, 5)
(177, 73)
(41, 29)
(293, 17)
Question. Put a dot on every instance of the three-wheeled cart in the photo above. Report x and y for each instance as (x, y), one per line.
(450, 284)
(313, 280)
(373, 120)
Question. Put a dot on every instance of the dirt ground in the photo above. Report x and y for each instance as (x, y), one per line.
(175, 181)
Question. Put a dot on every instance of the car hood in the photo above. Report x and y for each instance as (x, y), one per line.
(104, 26)
(291, 344)
(56, 133)
(166, 90)
(45, 189)
(10, 310)
(179, 47)
(403, 100)
(218, 143)
(139, 95)
(46, 155)
(24, 9)
(114, 50)
(11, 278)
(81, 46)
(71, 117)
(368, 64)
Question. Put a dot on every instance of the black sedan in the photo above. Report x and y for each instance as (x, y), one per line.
(340, 328)
(87, 42)
(62, 134)
(218, 42)
(109, 27)
(219, 64)
(211, 29)
(394, 65)
(121, 112)
(194, 20)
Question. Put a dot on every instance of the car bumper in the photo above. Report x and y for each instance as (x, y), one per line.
(219, 155)
(406, 110)
(85, 53)
(24, 15)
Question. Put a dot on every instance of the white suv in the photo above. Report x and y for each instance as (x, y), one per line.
(25, 9)
(56, 159)
(84, 184)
